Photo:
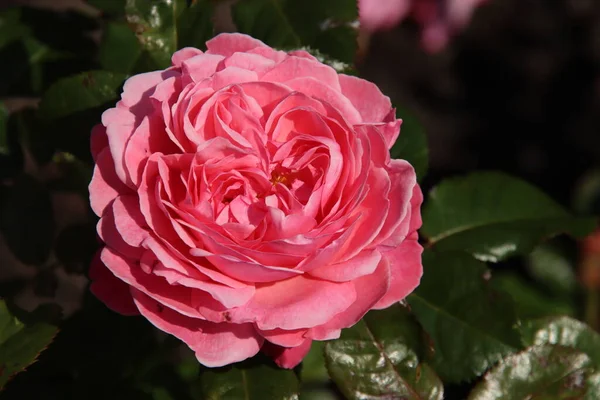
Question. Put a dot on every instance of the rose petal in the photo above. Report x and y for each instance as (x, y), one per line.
(364, 263)
(110, 290)
(406, 270)
(366, 97)
(295, 303)
(105, 186)
(183, 54)
(285, 338)
(98, 140)
(297, 67)
(369, 290)
(215, 345)
(287, 357)
(226, 44)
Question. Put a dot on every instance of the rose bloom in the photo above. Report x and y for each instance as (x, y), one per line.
(439, 19)
(247, 201)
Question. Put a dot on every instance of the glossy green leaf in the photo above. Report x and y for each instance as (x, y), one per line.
(120, 49)
(494, 216)
(563, 331)
(549, 266)
(529, 301)
(81, 92)
(540, 372)
(257, 378)
(380, 357)
(412, 143)
(286, 24)
(163, 26)
(27, 220)
(20, 344)
(471, 326)
(154, 23)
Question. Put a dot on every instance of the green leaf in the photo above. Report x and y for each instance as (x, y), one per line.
(195, 26)
(380, 357)
(154, 23)
(313, 364)
(75, 174)
(586, 195)
(494, 216)
(27, 220)
(163, 26)
(471, 326)
(80, 92)
(19, 344)
(119, 49)
(287, 24)
(412, 143)
(548, 265)
(257, 378)
(11, 28)
(563, 331)
(112, 7)
(266, 20)
(541, 372)
(529, 301)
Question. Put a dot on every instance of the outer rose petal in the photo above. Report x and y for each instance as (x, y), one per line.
(369, 290)
(105, 185)
(110, 290)
(283, 338)
(215, 345)
(98, 140)
(227, 44)
(295, 303)
(373, 105)
(181, 55)
(287, 357)
(406, 271)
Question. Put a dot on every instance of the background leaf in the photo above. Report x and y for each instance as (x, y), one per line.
(529, 300)
(548, 372)
(563, 331)
(81, 92)
(27, 220)
(195, 26)
(471, 326)
(494, 216)
(551, 267)
(257, 378)
(380, 357)
(412, 143)
(20, 344)
(154, 23)
(285, 24)
(119, 49)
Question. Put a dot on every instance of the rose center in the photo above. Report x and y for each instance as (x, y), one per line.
(282, 175)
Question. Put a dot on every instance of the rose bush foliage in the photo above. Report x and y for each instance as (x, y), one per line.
(247, 201)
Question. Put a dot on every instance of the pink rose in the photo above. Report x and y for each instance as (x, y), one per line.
(248, 200)
(439, 19)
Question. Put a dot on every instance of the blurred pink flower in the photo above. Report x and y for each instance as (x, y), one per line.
(438, 19)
